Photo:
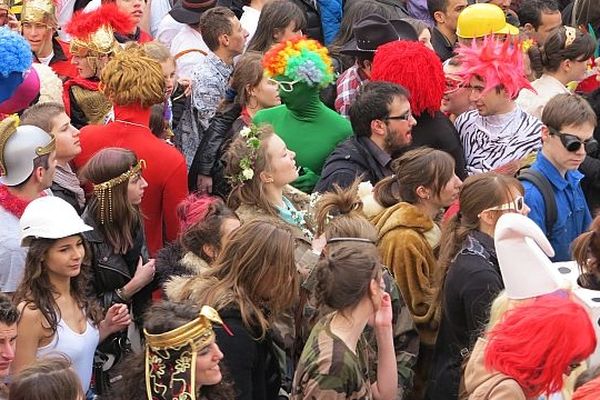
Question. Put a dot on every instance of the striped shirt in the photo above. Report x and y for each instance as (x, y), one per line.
(492, 141)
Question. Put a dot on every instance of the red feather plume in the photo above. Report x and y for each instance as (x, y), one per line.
(83, 24)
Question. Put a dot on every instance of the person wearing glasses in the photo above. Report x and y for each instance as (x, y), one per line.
(567, 137)
(497, 135)
(469, 274)
(382, 122)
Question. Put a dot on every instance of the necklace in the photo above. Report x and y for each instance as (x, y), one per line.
(131, 123)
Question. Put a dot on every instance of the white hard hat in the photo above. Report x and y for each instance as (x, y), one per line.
(50, 217)
(523, 256)
(19, 146)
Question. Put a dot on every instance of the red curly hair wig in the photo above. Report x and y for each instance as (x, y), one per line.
(536, 343)
(416, 68)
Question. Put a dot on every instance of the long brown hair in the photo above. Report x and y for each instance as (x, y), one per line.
(247, 74)
(38, 293)
(419, 167)
(48, 379)
(255, 270)
(250, 192)
(275, 15)
(478, 193)
(103, 166)
(586, 252)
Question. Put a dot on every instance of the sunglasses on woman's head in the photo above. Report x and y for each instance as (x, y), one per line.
(572, 143)
(518, 204)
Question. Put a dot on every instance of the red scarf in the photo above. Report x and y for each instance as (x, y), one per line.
(78, 81)
(11, 203)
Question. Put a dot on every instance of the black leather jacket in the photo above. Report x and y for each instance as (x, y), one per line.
(112, 271)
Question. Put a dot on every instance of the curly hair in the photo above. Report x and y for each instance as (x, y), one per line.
(132, 78)
(300, 59)
(536, 343)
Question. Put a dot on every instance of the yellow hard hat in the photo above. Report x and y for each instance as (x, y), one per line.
(482, 19)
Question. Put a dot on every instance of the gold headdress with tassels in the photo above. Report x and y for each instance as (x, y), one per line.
(39, 11)
(8, 127)
(103, 191)
(170, 360)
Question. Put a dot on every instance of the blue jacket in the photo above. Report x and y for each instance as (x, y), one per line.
(331, 18)
(573, 213)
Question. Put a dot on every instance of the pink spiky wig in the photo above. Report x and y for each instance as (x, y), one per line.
(416, 68)
(496, 62)
(536, 343)
(194, 208)
(300, 59)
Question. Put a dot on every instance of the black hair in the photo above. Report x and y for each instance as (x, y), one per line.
(9, 315)
(436, 5)
(373, 102)
(530, 11)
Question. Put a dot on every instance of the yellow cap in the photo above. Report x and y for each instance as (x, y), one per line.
(482, 19)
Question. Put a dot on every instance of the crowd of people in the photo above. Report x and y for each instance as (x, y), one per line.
(299, 199)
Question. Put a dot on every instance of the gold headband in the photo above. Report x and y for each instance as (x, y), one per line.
(8, 127)
(571, 34)
(101, 42)
(170, 361)
(101, 189)
(38, 11)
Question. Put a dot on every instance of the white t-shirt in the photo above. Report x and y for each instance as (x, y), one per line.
(64, 13)
(158, 9)
(46, 60)
(249, 21)
(187, 39)
(167, 29)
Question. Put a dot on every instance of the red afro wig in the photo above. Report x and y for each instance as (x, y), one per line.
(415, 67)
(536, 343)
(497, 63)
(194, 209)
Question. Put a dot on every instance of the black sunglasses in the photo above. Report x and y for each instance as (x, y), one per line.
(572, 143)
(404, 117)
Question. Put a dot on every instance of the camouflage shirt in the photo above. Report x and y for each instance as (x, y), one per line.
(328, 369)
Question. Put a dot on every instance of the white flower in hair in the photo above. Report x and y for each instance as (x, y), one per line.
(248, 173)
(245, 132)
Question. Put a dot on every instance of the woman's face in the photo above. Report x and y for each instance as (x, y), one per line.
(208, 371)
(135, 8)
(135, 189)
(281, 35)
(168, 68)
(266, 93)
(282, 161)
(65, 256)
(227, 227)
(425, 38)
(450, 191)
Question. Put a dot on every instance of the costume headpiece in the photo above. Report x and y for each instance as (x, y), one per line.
(19, 147)
(498, 63)
(15, 61)
(247, 163)
(415, 67)
(171, 357)
(94, 31)
(103, 191)
(300, 59)
(39, 11)
(523, 251)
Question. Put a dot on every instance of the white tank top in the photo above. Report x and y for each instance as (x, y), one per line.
(79, 348)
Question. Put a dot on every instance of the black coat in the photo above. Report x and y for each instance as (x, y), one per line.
(349, 160)
(439, 133)
(66, 195)
(472, 283)
(313, 19)
(251, 363)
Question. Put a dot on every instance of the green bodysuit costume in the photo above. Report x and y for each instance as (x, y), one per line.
(308, 128)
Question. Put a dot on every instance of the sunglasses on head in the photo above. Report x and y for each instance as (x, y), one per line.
(518, 204)
(284, 85)
(572, 143)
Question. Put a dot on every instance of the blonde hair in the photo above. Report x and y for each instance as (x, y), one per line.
(131, 77)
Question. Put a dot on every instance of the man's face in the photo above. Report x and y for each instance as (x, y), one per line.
(398, 124)
(237, 40)
(67, 138)
(548, 22)
(450, 16)
(456, 98)
(503, 4)
(490, 103)
(39, 36)
(48, 174)
(557, 153)
(3, 16)
(8, 340)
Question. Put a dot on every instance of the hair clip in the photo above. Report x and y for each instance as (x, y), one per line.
(349, 239)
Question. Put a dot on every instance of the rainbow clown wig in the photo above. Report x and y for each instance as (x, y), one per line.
(536, 343)
(498, 63)
(416, 68)
(300, 59)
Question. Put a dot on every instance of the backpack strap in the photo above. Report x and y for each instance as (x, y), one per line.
(184, 52)
(543, 184)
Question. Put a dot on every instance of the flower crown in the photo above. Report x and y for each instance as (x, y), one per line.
(250, 133)
(300, 59)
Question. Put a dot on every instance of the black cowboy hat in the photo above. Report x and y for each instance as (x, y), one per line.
(189, 11)
(373, 30)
